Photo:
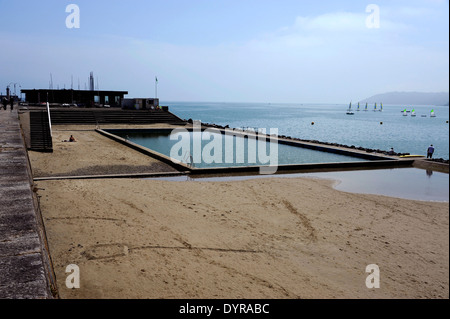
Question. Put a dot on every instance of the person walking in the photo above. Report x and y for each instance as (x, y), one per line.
(430, 151)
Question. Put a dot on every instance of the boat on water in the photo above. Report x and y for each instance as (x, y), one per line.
(358, 107)
(381, 107)
(349, 110)
(365, 108)
(404, 113)
(375, 108)
(432, 114)
(413, 113)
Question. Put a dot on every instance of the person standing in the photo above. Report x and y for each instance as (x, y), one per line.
(11, 101)
(430, 151)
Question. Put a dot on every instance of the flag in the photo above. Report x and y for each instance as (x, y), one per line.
(156, 79)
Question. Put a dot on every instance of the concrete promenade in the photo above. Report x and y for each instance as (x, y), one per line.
(23, 260)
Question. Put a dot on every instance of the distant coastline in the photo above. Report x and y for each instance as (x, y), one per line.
(410, 98)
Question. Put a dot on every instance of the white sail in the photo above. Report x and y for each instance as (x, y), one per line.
(349, 110)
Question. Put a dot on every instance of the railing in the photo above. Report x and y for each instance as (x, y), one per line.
(49, 119)
(188, 157)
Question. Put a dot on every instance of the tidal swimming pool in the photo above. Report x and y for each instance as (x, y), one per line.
(213, 149)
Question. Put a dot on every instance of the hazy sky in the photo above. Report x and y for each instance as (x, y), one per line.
(291, 51)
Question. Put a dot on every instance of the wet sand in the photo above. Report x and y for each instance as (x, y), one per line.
(262, 238)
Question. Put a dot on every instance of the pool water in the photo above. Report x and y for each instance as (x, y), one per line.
(213, 150)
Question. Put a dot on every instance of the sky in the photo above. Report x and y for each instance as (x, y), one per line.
(271, 51)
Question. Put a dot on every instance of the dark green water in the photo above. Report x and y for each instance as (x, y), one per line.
(229, 150)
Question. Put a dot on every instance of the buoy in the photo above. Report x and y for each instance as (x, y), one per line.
(312, 123)
(381, 123)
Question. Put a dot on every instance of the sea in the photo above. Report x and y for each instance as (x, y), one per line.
(373, 129)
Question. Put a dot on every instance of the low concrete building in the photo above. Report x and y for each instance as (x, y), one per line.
(140, 104)
(80, 97)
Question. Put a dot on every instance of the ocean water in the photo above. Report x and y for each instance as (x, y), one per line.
(376, 130)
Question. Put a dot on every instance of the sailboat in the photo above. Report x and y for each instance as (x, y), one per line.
(358, 107)
(413, 113)
(404, 113)
(375, 109)
(349, 111)
(381, 107)
(432, 114)
(365, 110)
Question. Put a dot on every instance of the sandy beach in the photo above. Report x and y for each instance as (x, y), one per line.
(265, 238)
(91, 154)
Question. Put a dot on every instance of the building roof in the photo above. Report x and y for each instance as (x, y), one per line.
(77, 91)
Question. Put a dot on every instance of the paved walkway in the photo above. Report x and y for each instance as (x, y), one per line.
(22, 268)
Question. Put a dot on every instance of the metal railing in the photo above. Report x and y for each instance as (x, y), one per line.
(49, 119)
